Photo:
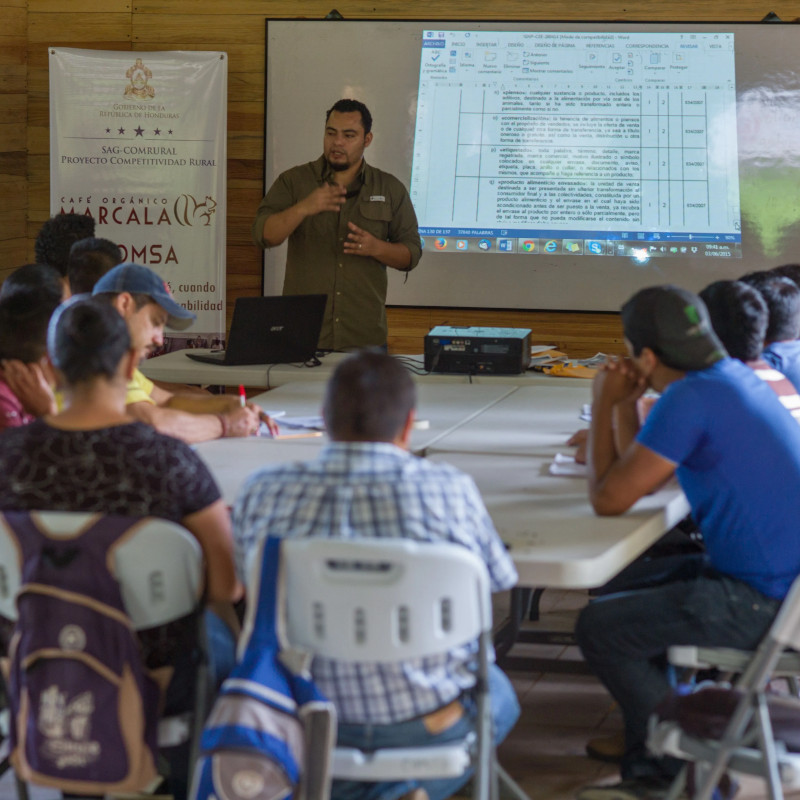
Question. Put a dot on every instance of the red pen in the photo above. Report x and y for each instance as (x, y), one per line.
(242, 396)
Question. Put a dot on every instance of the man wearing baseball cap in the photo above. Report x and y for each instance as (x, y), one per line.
(736, 452)
(146, 305)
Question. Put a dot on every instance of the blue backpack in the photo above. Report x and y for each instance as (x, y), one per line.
(84, 713)
(267, 717)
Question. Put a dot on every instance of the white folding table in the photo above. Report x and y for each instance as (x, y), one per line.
(441, 408)
(547, 522)
(505, 437)
(177, 367)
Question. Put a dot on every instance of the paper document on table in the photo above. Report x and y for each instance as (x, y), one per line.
(545, 356)
(567, 466)
(570, 369)
(288, 433)
(293, 427)
(303, 423)
(554, 362)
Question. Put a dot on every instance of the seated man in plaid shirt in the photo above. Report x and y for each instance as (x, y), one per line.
(366, 483)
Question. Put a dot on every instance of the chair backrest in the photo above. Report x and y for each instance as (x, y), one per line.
(159, 567)
(10, 573)
(786, 627)
(380, 600)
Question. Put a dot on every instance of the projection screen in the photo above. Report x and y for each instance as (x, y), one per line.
(558, 165)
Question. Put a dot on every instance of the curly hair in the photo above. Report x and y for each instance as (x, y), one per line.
(56, 237)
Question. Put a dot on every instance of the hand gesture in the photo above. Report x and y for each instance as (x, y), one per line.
(328, 197)
(618, 381)
(360, 243)
(579, 440)
(29, 384)
(267, 420)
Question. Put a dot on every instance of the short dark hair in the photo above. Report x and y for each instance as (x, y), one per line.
(87, 340)
(783, 301)
(56, 237)
(790, 271)
(24, 316)
(368, 398)
(90, 259)
(739, 316)
(752, 278)
(41, 278)
(346, 106)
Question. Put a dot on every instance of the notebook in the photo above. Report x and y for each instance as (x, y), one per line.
(271, 330)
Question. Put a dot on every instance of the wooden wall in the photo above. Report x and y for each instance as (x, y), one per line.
(13, 133)
(28, 27)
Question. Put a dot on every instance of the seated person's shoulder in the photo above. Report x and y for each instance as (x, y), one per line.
(274, 476)
(140, 389)
(435, 475)
(19, 435)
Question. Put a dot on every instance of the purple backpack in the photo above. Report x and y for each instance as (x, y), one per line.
(84, 713)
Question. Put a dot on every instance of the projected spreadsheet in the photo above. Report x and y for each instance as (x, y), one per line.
(580, 143)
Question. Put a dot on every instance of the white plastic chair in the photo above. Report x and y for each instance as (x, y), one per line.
(381, 600)
(748, 744)
(161, 572)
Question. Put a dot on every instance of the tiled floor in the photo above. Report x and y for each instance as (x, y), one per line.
(560, 712)
(545, 752)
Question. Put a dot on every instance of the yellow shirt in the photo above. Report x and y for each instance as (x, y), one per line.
(139, 389)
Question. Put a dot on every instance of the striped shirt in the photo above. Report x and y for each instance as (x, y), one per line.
(359, 489)
(785, 357)
(779, 384)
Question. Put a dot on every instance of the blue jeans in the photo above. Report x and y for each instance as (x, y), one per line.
(221, 648)
(180, 694)
(625, 636)
(413, 733)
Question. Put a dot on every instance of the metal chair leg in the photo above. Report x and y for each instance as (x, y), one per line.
(509, 788)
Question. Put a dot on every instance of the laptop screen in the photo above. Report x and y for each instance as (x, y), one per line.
(275, 330)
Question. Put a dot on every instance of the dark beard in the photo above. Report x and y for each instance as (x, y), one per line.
(338, 167)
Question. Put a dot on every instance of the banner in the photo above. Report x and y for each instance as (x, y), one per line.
(138, 141)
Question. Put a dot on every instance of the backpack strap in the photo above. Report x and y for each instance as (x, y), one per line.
(260, 627)
(80, 560)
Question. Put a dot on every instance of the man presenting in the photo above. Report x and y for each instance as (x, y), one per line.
(346, 221)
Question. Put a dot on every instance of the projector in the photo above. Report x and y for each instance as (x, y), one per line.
(478, 351)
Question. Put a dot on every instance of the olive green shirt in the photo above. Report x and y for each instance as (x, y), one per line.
(355, 314)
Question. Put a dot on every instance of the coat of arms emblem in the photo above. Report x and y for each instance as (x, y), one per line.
(139, 88)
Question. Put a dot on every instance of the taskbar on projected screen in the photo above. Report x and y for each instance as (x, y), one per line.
(553, 246)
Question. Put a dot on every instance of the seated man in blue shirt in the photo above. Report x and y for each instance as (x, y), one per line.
(739, 316)
(781, 347)
(736, 452)
(366, 483)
